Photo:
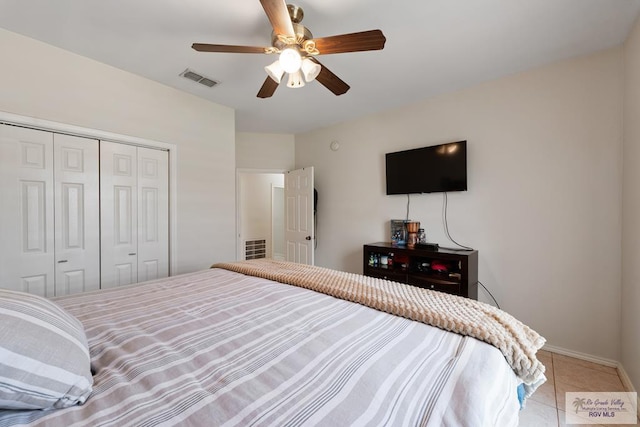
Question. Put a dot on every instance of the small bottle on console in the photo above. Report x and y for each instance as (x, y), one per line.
(422, 236)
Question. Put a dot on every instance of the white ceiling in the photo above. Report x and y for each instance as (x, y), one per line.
(433, 46)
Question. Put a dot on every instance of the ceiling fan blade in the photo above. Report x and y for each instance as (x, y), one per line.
(331, 81)
(268, 88)
(204, 47)
(278, 15)
(354, 42)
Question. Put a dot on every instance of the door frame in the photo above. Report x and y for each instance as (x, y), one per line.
(239, 171)
(281, 256)
(51, 126)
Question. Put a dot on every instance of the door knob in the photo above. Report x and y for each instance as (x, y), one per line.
(308, 238)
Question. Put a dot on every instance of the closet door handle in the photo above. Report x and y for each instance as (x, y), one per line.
(133, 253)
(62, 260)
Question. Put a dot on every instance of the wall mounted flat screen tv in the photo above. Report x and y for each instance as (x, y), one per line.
(439, 168)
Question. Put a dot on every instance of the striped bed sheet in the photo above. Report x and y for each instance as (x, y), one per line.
(218, 348)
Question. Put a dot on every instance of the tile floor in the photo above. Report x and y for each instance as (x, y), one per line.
(546, 407)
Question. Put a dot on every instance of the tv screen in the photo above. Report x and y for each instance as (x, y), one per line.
(439, 168)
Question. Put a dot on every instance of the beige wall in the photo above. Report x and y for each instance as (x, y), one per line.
(544, 201)
(631, 211)
(44, 82)
(265, 151)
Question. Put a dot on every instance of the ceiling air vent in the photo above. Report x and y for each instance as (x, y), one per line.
(198, 78)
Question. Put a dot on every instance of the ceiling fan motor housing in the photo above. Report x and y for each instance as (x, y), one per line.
(302, 34)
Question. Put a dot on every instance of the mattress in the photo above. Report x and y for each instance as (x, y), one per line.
(219, 348)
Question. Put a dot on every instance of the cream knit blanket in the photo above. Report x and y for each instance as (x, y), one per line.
(517, 342)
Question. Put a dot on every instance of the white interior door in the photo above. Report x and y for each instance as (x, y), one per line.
(118, 214)
(26, 216)
(299, 227)
(153, 214)
(77, 227)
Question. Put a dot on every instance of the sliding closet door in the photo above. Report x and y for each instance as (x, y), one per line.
(49, 214)
(153, 214)
(77, 214)
(134, 214)
(119, 214)
(77, 227)
(26, 214)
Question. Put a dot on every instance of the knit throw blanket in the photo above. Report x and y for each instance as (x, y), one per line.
(517, 342)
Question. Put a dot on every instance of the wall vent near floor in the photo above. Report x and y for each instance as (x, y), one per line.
(254, 249)
(198, 78)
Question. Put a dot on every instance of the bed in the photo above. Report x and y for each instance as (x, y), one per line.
(234, 346)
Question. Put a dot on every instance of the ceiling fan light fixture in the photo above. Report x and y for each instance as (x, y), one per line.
(295, 80)
(295, 44)
(290, 60)
(310, 69)
(275, 71)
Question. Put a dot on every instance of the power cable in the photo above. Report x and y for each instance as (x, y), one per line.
(445, 204)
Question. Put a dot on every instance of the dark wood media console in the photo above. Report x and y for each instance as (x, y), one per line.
(454, 272)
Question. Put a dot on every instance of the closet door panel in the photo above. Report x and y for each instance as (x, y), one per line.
(34, 215)
(125, 273)
(26, 216)
(153, 214)
(118, 214)
(77, 228)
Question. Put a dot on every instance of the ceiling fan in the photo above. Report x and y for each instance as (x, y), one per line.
(298, 49)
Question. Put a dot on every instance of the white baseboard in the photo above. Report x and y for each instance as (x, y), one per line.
(582, 356)
(628, 385)
(626, 381)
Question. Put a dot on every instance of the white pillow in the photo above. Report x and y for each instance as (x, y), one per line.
(44, 356)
